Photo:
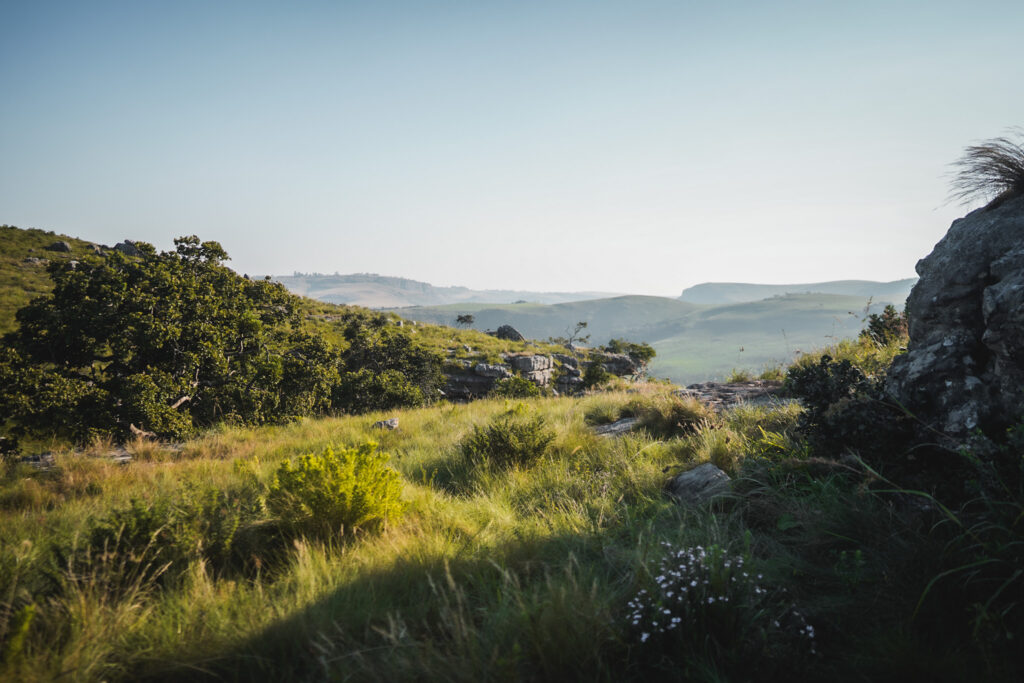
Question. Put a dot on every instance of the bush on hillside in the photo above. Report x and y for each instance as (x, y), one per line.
(668, 415)
(595, 375)
(515, 387)
(887, 327)
(847, 411)
(337, 493)
(514, 438)
(153, 540)
(641, 353)
(175, 341)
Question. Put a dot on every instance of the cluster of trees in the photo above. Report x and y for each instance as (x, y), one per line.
(170, 342)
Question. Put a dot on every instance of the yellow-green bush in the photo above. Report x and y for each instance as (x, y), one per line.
(337, 493)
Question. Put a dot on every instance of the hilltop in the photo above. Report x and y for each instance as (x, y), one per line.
(23, 259)
(743, 292)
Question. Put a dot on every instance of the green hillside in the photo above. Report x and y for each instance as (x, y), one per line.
(21, 280)
(640, 317)
(716, 293)
(694, 343)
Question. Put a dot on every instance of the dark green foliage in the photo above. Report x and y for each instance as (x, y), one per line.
(155, 540)
(707, 604)
(886, 327)
(383, 368)
(175, 341)
(335, 494)
(513, 439)
(515, 387)
(847, 411)
(595, 374)
(642, 353)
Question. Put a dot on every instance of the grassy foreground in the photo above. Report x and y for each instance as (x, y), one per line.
(544, 571)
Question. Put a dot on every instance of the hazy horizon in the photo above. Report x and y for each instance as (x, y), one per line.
(639, 147)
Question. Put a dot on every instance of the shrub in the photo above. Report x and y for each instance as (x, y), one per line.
(705, 602)
(773, 372)
(339, 493)
(511, 439)
(366, 390)
(845, 410)
(887, 327)
(993, 169)
(668, 415)
(738, 375)
(515, 387)
(150, 541)
(595, 374)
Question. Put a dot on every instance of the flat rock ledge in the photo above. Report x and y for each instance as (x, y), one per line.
(617, 428)
(698, 485)
(724, 395)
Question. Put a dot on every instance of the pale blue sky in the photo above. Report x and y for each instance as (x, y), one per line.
(629, 146)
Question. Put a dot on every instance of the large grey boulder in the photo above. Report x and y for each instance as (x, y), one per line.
(964, 367)
(508, 333)
(699, 485)
(59, 246)
(530, 363)
(489, 370)
(127, 248)
(616, 363)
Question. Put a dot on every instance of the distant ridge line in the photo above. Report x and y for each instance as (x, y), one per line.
(895, 291)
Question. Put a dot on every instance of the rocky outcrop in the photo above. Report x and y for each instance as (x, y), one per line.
(127, 248)
(508, 333)
(468, 380)
(616, 363)
(59, 246)
(617, 428)
(964, 366)
(699, 485)
(493, 371)
(467, 385)
(722, 395)
(536, 368)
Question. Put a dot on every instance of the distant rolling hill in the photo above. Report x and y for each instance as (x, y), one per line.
(694, 342)
(740, 292)
(381, 291)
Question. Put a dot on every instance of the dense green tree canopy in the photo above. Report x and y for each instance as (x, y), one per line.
(168, 342)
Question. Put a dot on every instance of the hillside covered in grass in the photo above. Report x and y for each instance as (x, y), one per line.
(508, 542)
(630, 533)
(694, 343)
(23, 260)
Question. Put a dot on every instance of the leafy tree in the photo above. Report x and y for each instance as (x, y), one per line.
(465, 320)
(641, 353)
(173, 341)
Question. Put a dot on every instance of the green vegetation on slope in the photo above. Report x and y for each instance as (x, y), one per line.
(504, 540)
(21, 281)
(694, 343)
